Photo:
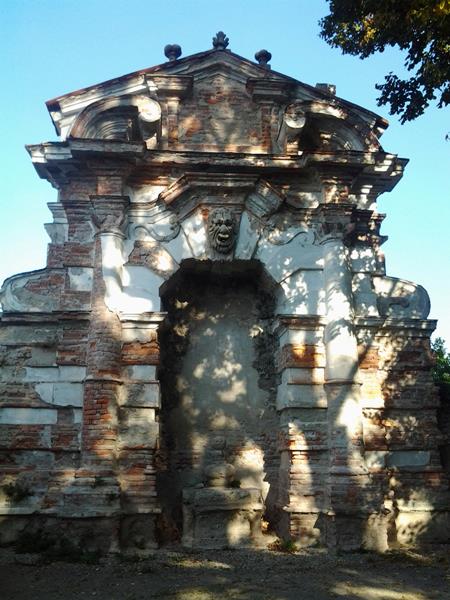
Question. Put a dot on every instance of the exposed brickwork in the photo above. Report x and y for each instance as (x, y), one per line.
(345, 445)
(220, 116)
(307, 356)
(103, 376)
(71, 349)
(78, 255)
(403, 432)
(140, 353)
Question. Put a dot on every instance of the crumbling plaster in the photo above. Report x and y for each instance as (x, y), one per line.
(256, 195)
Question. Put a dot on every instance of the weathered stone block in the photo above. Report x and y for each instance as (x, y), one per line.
(408, 459)
(16, 335)
(145, 395)
(80, 278)
(41, 374)
(138, 428)
(301, 396)
(424, 526)
(42, 356)
(299, 337)
(302, 376)
(72, 373)
(68, 394)
(28, 416)
(221, 518)
(140, 372)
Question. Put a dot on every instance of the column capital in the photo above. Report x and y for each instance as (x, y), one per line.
(334, 222)
(366, 228)
(109, 214)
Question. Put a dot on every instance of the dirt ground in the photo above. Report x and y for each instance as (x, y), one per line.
(230, 575)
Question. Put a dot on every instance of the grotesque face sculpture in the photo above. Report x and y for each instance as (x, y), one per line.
(222, 230)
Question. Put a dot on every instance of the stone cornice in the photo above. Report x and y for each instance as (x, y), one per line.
(382, 168)
(29, 318)
(207, 180)
(383, 325)
(301, 322)
(133, 320)
(270, 89)
(178, 86)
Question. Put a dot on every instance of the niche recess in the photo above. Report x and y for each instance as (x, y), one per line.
(218, 383)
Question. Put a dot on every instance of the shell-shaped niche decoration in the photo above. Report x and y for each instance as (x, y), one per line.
(121, 118)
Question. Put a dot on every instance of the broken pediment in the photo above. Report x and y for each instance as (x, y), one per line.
(320, 126)
(214, 338)
(216, 101)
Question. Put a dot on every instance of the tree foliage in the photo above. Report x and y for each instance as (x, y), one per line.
(419, 27)
(441, 370)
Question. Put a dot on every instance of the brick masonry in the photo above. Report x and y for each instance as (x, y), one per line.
(341, 352)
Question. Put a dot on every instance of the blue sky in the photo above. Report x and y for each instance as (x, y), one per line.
(50, 47)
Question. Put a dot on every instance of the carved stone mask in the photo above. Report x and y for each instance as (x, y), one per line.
(222, 230)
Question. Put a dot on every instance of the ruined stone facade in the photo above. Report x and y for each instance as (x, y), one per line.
(214, 348)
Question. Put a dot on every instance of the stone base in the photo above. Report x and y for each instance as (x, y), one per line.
(32, 533)
(345, 533)
(102, 535)
(215, 518)
(305, 529)
(137, 533)
(354, 532)
(413, 528)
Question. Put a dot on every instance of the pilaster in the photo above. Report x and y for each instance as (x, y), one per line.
(348, 481)
(138, 435)
(303, 445)
(95, 490)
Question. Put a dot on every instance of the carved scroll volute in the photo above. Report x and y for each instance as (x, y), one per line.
(334, 224)
(292, 124)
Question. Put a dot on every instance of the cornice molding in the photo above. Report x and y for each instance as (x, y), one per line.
(53, 159)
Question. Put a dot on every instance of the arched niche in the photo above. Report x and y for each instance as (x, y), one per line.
(321, 126)
(124, 118)
(218, 385)
(324, 132)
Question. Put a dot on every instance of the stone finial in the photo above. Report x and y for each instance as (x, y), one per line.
(172, 51)
(329, 88)
(220, 41)
(263, 57)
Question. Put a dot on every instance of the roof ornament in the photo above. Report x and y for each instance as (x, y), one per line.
(328, 88)
(172, 51)
(263, 57)
(220, 41)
